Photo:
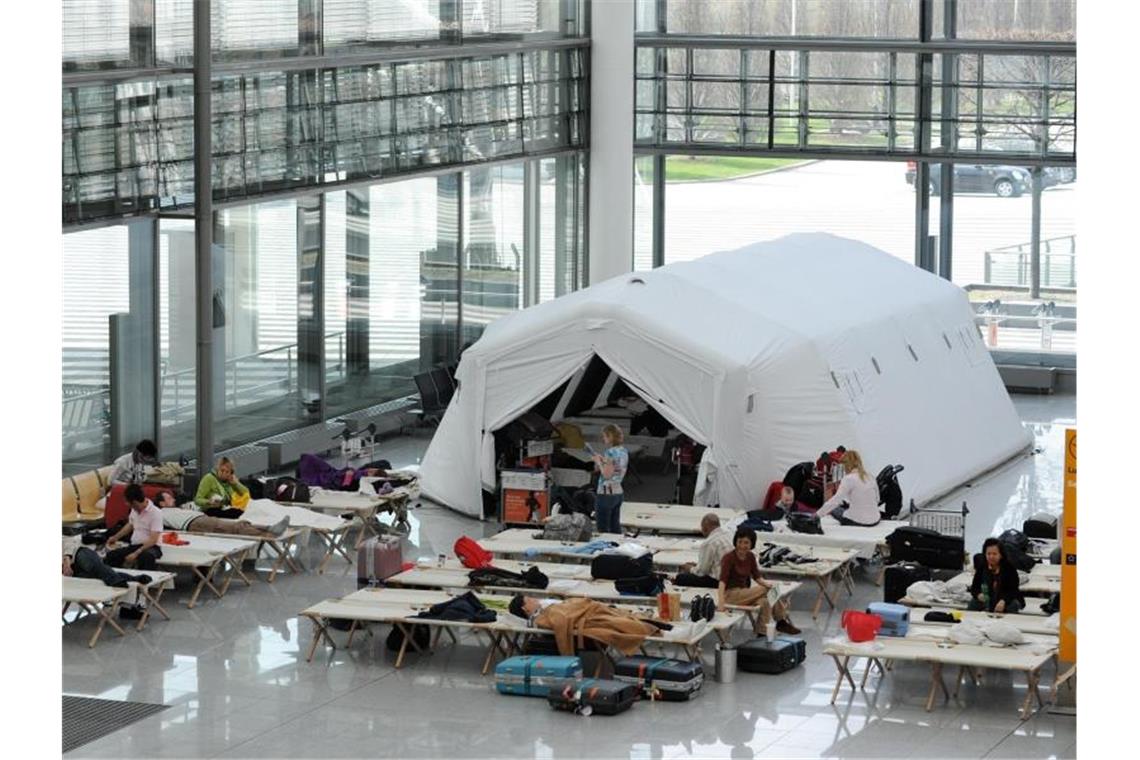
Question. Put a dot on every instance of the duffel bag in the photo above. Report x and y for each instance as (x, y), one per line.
(613, 567)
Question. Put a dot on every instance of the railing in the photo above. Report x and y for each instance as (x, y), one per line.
(249, 378)
(1010, 265)
(86, 415)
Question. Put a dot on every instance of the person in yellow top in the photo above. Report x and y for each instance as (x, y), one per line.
(221, 494)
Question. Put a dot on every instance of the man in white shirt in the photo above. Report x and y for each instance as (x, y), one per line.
(717, 543)
(175, 517)
(131, 467)
(145, 527)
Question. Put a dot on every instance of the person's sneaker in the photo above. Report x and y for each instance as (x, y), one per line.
(785, 626)
(279, 527)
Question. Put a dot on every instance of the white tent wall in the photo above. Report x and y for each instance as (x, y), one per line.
(777, 321)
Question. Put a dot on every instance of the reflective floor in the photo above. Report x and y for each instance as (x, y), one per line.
(234, 674)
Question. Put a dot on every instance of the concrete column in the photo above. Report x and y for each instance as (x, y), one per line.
(611, 139)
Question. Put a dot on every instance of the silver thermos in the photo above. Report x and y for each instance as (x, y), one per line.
(725, 663)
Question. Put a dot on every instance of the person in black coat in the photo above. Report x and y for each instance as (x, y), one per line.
(996, 586)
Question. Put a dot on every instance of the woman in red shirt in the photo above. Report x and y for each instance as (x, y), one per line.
(738, 569)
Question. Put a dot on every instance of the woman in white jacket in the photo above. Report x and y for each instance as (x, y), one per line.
(856, 502)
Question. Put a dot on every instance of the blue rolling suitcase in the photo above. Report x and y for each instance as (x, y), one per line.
(896, 618)
(531, 675)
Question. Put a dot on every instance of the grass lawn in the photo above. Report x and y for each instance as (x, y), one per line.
(720, 167)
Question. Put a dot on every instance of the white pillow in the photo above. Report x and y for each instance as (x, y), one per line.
(1002, 632)
(966, 633)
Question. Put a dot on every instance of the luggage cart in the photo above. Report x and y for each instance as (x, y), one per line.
(948, 522)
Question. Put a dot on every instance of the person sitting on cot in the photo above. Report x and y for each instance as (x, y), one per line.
(996, 587)
(221, 494)
(175, 517)
(144, 524)
(717, 543)
(738, 569)
(856, 501)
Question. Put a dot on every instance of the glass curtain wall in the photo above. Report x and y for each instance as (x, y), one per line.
(331, 295)
(96, 284)
(791, 131)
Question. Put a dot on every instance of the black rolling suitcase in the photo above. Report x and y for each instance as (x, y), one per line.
(897, 579)
(591, 696)
(926, 547)
(660, 678)
(1040, 526)
(772, 657)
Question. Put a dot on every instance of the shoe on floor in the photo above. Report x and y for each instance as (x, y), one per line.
(785, 626)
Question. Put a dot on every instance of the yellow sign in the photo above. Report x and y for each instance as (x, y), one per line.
(1069, 552)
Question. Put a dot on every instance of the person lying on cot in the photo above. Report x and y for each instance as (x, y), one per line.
(738, 569)
(314, 471)
(572, 620)
(175, 517)
(221, 494)
(717, 543)
(996, 587)
(82, 562)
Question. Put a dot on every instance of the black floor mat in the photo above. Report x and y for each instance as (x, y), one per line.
(86, 719)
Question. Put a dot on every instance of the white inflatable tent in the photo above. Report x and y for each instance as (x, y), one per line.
(768, 355)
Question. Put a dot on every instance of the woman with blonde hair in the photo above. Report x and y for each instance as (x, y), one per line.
(611, 465)
(221, 494)
(856, 501)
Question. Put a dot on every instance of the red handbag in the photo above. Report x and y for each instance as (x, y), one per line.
(861, 626)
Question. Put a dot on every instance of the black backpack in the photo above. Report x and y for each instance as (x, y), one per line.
(890, 493)
(420, 635)
(646, 585)
(1019, 559)
(801, 522)
(1016, 539)
(614, 567)
(256, 489)
(286, 489)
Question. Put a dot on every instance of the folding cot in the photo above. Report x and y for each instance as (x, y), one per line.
(937, 653)
(365, 507)
(332, 531)
(1044, 580)
(831, 566)
(506, 635)
(671, 518)
(1032, 605)
(205, 556)
(1036, 624)
(281, 546)
(519, 542)
(566, 581)
(93, 597)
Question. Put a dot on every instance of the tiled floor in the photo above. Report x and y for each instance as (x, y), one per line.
(234, 674)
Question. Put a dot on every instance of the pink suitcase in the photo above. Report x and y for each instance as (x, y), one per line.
(379, 558)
